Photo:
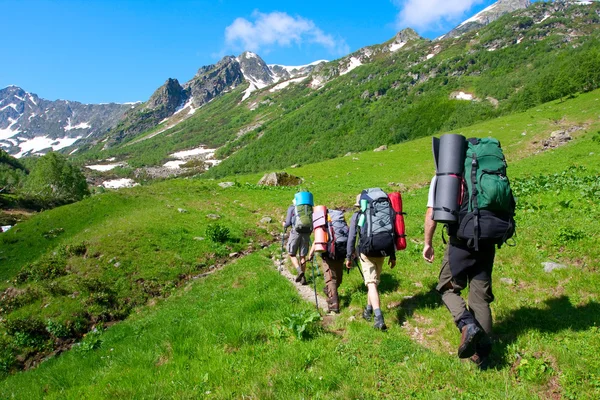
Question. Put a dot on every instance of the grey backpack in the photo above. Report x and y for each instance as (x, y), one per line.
(376, 224)
(338, 234)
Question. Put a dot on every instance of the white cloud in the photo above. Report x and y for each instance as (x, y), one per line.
(279, 29)
(431, 14)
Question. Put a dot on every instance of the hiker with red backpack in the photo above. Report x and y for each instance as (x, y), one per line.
(299, 218)
(471, 195)
(332, 251)
(373, 224)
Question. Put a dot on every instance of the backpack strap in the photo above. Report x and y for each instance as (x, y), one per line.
(474, 164)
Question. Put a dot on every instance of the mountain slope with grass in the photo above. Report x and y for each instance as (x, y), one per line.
(384, 94)
(202, 317)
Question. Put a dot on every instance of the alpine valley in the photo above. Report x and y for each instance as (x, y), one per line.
(176, 288)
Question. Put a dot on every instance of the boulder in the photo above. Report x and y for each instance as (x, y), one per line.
(225, 185)
(550, 266)
(381, 148)
(279, 179)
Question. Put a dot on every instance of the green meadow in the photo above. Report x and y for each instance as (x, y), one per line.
(170, 290)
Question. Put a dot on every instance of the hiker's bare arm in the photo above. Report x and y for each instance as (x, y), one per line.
(430, 225)
(312, 251)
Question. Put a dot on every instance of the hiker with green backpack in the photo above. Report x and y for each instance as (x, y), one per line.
(299, 218)
(372, 225)
(471, 195)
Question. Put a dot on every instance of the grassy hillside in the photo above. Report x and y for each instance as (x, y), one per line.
(134, 254)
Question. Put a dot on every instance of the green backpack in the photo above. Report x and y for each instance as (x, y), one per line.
(487, 212)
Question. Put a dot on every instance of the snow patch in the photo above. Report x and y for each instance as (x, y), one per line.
(464, 96)
(14, 106)
(545, 18)
(477, 17)
(354, 63)
(174, 164)
(397, 46)
(44, 142)
(31, 99)
(184, 106)
(82, 125)
(297, 68)
(429, 56)
(201, 153)
(194, 152)
(285, 84)
(119, 183)
(9, 132)
(5, 228)
(104, 167)
(317, 82)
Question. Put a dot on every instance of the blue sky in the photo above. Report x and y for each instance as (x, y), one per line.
(122, 50)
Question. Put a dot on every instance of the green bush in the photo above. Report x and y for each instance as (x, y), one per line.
(54, 179)
(302, 324)
(27, 332)
(47, 268)
(217, 233)
(13, 298)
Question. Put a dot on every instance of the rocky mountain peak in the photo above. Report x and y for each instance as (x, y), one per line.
(406, 35)
(169, 96)
(488, 15)
(255, 69)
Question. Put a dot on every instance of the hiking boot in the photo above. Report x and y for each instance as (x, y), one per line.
(300, 276)
(481, 362)
(367, 314)
(379, 324)
(470, 335)
(333, 308)
(303, 280)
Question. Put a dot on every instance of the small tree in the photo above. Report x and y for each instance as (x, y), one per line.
(54, 178)
(11, 172)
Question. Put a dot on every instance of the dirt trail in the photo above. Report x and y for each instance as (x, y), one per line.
(307, 292)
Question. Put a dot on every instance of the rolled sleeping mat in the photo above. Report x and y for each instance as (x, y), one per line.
(399, 229)
(303, 198)
(320, 239)
(319, 216)
(450, 162)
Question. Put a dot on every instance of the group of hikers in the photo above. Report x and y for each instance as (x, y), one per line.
(470, 194)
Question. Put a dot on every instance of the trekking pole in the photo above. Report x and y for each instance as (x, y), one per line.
(281, 254)
(359, 268)
(315, 282)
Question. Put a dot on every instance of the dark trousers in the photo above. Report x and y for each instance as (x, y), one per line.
(333, 274)
(462, 267)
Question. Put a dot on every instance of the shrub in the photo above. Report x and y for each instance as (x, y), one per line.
(217, 233)
(27, 332)
(44, 269)
(13, 298)
(54, 178)
(7, 356)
